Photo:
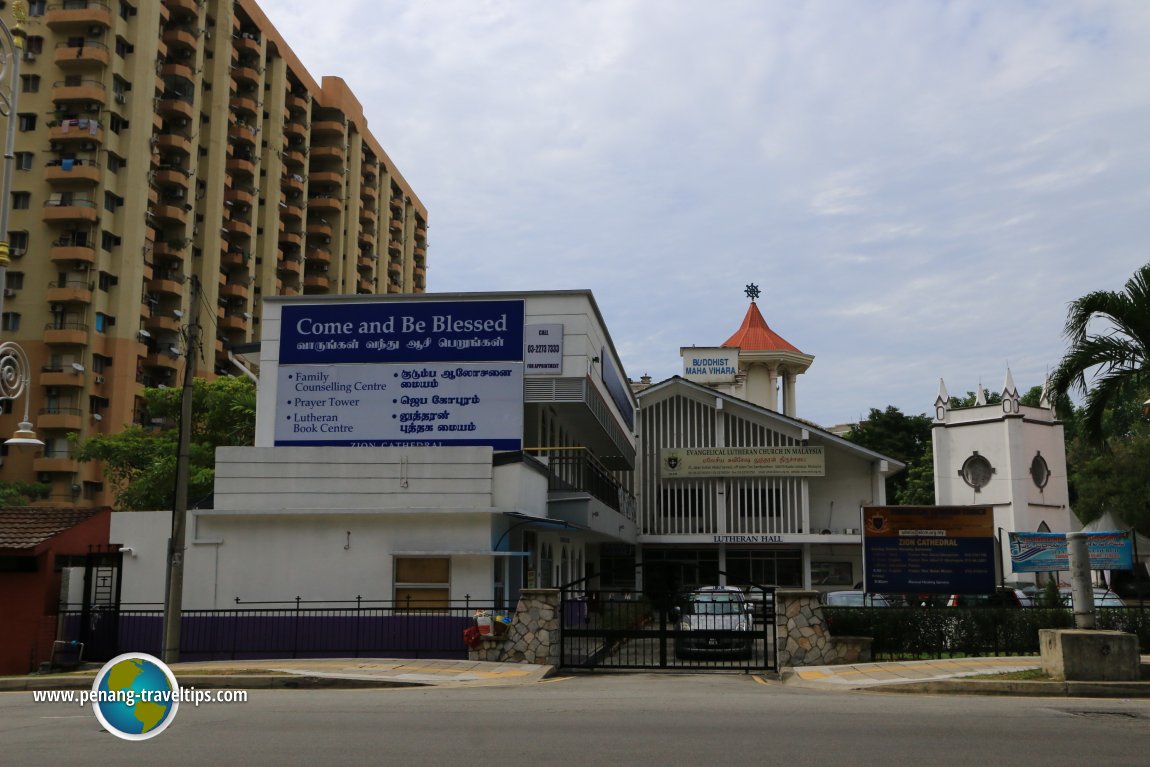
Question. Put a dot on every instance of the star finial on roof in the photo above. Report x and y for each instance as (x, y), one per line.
(752, 291)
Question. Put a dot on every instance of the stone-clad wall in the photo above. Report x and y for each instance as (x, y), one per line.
(534, 633)
(803, 637)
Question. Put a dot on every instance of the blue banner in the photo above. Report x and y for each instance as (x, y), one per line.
(408, 331)
(1046, 552)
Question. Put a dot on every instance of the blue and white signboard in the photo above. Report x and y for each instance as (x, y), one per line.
(1046, 552)
(401, 374)
(425, 331)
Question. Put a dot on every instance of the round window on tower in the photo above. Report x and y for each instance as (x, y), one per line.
(1039, 470)
(976, 471)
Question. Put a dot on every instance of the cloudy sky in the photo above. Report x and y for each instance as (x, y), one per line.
(919, 188)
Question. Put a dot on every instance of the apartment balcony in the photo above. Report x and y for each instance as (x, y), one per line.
(240, 228)
(368, 194)
(420, 231)
(290, 211)
(242, 133)
(162, 322)
(395, 246)
(70, 292)
(66, 334)
(325, 204)
(419, 272)
(295, 158)
(328, 127)
(56, 462)
(81, 90)
(57, 417)
(393, 288)
(365, 262)
(246, 43)
(78, 57)
(246, 75)
(295, 128)
(175, 142)
(175, 109)
(176, 177)
(234, 259)
(395, 267)
(291, 238)
(181, 38)
(395, 224)
(172, 212)
(72, 256)
(317, 281)
(241, 167)
(170, 249)
(234, 290)
(335, 178)
(232, 323)
(365, 285)
(81, 171)
(295, 103)
(70, 211)
(178, 69)
(287, 267)
(163, 360)
(575, 471)
(319, 229)
(420, 251)
(325, 153)
(74, 13)
(77, 131)
(320, 256)
(245, 105)
(61, 376)
(289, 183)
(366, 239)
(240, 196)
(166, 285)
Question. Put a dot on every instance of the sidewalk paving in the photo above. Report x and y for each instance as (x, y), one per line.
(314, 673)
(951, 675)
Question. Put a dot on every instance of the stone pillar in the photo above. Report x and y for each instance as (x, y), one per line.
(533, 636)
(802, 637)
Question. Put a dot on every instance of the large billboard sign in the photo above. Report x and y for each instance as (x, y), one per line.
(686, 462)
(929, 549)
(1046, 552)
(379, 374)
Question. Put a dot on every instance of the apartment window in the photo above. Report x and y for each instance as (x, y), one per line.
(100, 363)
(10, 321)
(108, 241)
(37, 7)
(123, 47)
(24, 160)
(422, 582)
(17, 243)
(112, 201)
(27, 122)
(21, 200)
(107, 281)
(116, 123)
(30, 83)
(15, 280)
(127, 10)
(114, 163)
(104, 322)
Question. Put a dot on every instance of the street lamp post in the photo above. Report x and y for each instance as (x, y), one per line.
(15, 372)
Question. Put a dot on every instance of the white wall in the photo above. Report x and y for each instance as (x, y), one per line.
(144, 573)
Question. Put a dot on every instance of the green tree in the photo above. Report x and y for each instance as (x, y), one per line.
(140, 462)
(1109, 356)
(904, 438)
(22, 493)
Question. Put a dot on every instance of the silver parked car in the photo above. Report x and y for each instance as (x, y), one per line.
(714, 620)
(854, 599)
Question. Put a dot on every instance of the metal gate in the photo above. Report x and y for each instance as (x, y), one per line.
(698, 629)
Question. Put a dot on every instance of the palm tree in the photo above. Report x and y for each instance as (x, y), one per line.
(1117, 359)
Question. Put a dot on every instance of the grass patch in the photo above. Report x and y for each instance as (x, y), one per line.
(1028, 675)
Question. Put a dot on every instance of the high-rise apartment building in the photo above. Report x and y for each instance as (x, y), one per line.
(159, 142)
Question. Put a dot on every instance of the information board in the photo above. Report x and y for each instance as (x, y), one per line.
(1046, 552)
(929, 549)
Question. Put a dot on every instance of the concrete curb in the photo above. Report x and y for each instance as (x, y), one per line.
(1037, 689)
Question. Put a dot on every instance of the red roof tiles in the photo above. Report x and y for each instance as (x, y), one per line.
(27, 528)
(756, 336)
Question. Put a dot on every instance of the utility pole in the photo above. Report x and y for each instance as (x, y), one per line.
(174, 599)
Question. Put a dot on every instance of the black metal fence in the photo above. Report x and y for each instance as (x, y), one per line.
(902, 633)
(358, 628)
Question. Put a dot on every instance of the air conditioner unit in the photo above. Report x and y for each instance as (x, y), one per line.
(9, 292)
(82, 266)
(121, 98)
(99, 379)
(95, 30)
(29, 56)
